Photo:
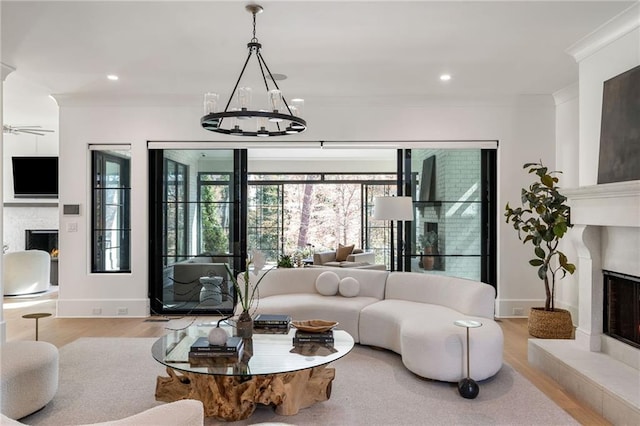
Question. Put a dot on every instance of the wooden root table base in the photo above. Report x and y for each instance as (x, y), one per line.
(234, 398)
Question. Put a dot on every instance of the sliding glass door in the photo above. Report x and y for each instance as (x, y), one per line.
(196, 228)
(207, 210)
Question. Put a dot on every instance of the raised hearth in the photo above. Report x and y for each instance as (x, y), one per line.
(598, 369)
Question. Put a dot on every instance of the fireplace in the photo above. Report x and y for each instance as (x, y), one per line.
(41, 239)
(622, 307)
(46, 240)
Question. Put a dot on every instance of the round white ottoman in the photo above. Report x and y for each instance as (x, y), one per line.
(29, 376)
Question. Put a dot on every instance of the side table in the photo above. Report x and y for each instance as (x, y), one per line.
(467, 387)
(37, 316)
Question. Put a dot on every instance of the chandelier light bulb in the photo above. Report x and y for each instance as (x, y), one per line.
(262, 125)
(297, 105)
(210, 102)
(275, 101)
(235, 130)
(244, 98)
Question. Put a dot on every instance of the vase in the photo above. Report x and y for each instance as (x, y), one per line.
(244, 325)
(428, 262)
(556, 324)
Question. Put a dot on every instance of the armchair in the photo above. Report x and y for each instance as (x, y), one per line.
(26, 272)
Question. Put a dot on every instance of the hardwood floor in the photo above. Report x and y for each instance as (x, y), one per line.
(61, 331)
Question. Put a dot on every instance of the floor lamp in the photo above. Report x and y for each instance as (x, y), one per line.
(393, 208)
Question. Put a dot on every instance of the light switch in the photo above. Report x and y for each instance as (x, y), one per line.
(72, 227)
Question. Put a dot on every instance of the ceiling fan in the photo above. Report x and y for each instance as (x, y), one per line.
(32, 130)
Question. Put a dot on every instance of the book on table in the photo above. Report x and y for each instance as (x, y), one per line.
(272, 330)
(306, 337)
(232, 347)
(272, 320)
(204, 359)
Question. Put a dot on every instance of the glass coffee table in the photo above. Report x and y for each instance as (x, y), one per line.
(271, 371)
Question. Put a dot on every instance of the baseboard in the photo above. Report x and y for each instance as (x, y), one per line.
(103, 308)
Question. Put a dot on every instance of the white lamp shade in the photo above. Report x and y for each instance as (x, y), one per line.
(393, 208)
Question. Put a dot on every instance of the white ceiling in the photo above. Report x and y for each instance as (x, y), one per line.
(329, 49)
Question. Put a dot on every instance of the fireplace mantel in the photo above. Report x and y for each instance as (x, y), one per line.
(611, 204)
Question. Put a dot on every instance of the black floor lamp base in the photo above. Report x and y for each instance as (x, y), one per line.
(468, 388)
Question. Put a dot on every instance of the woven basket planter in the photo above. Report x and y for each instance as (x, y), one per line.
(554, 324)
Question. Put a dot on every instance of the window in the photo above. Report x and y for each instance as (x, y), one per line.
(453, 230)
(111, 215)
(175, 211)
(296, 214)
(214, 193)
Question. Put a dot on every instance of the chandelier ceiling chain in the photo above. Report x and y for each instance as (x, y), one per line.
(280, 119)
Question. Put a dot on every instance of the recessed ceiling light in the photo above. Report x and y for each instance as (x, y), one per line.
(278, 77)
(445, 77)
(112, 77)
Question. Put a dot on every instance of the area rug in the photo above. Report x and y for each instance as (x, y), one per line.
(109, 378)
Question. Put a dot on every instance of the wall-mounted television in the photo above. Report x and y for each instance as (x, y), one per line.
(35, 177)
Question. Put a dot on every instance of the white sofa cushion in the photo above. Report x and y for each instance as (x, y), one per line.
(327, 283)
(349, 287)
(478, 300)
(303, 280)
(305, 306)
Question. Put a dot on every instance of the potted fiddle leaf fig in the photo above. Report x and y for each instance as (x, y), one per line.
(542, 221)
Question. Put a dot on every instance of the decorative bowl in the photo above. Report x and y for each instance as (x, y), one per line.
(314, 326)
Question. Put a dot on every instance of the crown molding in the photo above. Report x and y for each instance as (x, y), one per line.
(566, 94)
(6, 70)
(617, 27)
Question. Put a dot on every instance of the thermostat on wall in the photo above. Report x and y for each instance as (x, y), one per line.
(71, 209)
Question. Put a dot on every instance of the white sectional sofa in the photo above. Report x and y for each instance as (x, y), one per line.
(409, 313)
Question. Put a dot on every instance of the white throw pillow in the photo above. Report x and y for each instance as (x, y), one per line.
(349, 287)
(327, 283)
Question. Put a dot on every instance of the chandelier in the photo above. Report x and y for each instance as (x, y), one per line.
(277, 119)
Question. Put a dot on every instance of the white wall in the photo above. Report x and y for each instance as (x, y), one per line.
(523, 126)
(607, 62)
(567, 152)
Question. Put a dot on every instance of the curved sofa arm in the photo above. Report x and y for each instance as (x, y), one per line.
(368, 257)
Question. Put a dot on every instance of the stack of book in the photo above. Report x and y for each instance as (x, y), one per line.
(302, 337)
(202, 352)
(274, 323)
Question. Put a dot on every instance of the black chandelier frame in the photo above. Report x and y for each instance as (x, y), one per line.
(213, 121)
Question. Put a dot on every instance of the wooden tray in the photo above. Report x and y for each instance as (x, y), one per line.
(314, 326)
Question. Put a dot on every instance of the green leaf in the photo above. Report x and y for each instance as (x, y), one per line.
(560, 229)
(536, 262)
(539, 252)
(542, 272)
(547, 181)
